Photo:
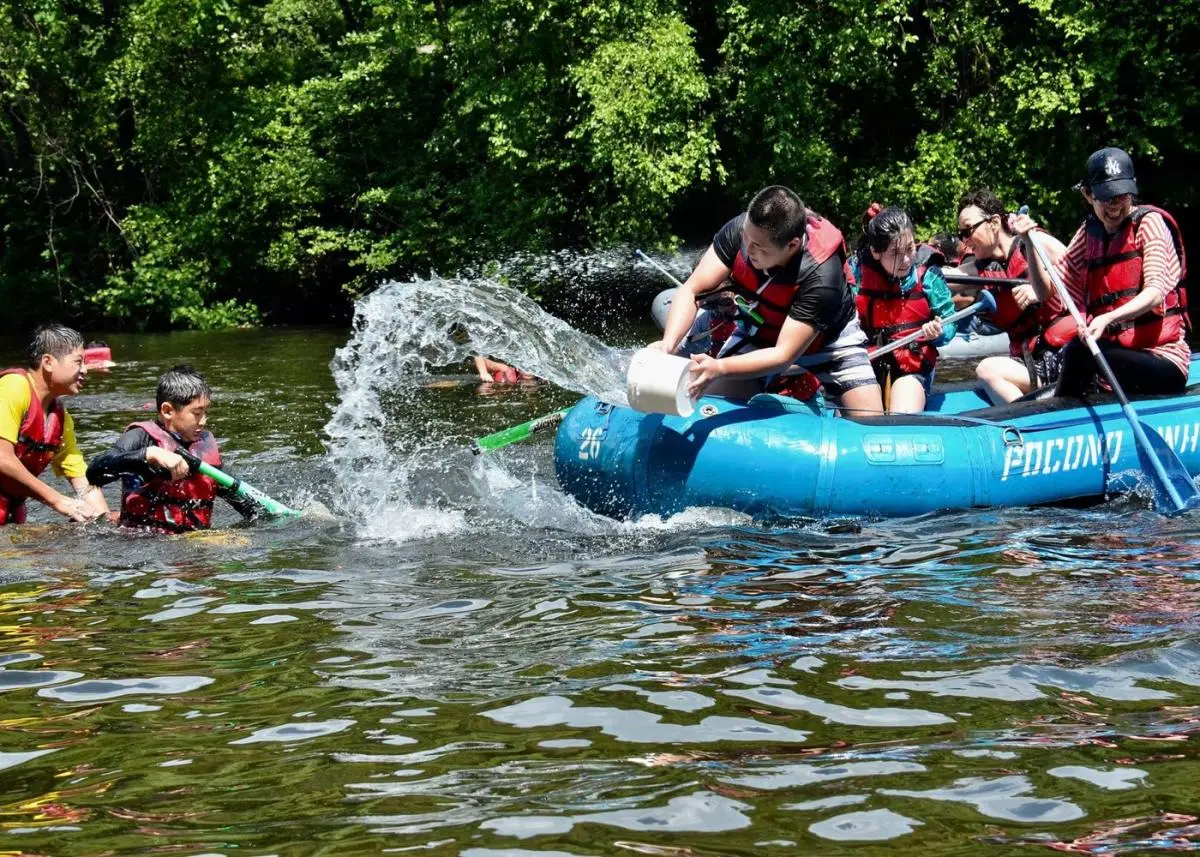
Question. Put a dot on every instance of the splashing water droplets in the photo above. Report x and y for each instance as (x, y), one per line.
(402, 467)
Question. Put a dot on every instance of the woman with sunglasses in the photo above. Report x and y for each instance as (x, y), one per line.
(1126, 266)
(1037, 329)
(896, 295)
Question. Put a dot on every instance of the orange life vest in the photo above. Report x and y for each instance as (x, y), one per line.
(38, 441)
(173, 506)
(1114, 277)
(771, 298)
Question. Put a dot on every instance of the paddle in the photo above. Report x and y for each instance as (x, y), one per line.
(663, 270)
(744, 309)
(985, 302)
(518, 433)
(238, 487)
(1174, 490)
(970, 280)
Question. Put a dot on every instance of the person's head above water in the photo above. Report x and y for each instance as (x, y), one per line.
(97, 355)
(56, 354)
(774, 228)
(182, 398)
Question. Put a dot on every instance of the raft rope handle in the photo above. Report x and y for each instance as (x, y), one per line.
(1012, 436)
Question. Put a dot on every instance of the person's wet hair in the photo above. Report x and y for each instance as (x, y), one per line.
(780, 212)
(988, 203)
(54, 339)
(181, 385)
(950, 246)
(885, 227)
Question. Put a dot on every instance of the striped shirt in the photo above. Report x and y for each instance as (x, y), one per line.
(1160, 270)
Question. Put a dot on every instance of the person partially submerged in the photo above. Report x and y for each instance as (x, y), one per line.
(36, 431)
(97, 356)
(161, 489)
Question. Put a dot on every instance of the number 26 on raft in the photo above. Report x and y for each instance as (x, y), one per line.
(589, 443)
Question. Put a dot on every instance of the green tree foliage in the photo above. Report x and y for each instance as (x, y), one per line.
(208, 163)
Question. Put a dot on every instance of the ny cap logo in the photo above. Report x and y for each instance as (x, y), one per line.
(1111, 167)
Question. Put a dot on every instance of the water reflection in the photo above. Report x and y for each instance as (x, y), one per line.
(483, 668)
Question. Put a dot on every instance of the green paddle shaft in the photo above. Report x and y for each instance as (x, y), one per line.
(238, 487)
(518, 433)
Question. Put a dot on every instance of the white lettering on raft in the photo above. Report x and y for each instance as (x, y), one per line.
(1182, 439)
(1062, 454)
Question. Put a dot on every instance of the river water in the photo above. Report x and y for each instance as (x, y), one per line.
(446, 655)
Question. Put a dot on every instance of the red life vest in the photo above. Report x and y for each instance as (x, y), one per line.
(887, 313)
(38, 440)
(173, 506)
(1114, 277)
(1026, 328)
(773, 299)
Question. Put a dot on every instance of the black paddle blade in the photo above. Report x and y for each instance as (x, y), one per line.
(1177, 475)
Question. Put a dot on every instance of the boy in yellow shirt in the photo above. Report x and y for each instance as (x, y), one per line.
(36, 431)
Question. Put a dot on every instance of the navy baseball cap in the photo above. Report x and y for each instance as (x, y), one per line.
(1109, 174)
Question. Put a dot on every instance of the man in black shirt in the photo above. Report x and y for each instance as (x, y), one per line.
(788, 264)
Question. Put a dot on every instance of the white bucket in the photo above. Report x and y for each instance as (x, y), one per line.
(657, 383)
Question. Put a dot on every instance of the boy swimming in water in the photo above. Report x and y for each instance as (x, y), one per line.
(158, 461)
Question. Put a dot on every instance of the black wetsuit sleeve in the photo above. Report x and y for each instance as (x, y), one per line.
(244, 506)
(823, 298)
(728, 241)
(126, 458)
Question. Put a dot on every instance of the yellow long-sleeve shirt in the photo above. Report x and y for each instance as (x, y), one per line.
(15, 398)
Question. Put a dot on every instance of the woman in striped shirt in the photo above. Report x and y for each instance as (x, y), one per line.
(1124, 265)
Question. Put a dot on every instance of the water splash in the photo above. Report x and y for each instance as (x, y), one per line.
(400, 466)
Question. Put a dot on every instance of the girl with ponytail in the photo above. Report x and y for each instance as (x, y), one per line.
(896, 294)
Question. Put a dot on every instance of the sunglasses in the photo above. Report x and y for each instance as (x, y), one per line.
(967, 231)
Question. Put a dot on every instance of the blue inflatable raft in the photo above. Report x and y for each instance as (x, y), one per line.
(774, 456)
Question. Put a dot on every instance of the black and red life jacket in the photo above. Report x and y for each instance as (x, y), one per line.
(771, 298)
(1037, 326)
(888, 313)
(1114, 277)
(38, 441)
(173, 506)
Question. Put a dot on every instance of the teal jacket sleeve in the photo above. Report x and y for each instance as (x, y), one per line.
(937, 292)
(853, 273)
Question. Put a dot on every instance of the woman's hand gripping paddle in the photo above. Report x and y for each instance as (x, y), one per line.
(1174, 490)
(238, 487)
(984, 303)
